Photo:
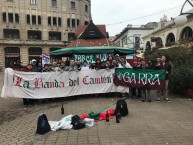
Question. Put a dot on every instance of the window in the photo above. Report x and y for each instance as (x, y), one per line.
(4, 17)
(28, 19)
(34, 53)
(170, 39)
(10, 16)
(54, 21)
(54, 3)
(34, 35)
(68, 22)
(86, 23)
(54, 35)
(33, 19)
(71, 36)
(59, 21)
(16, 18)
(137, 42)
(11, 33)
(32, 2)
(73, 22)
(86, 8)
(187, 33)
(73, 5)
(39, 20)
(78, 22)
(49, 20)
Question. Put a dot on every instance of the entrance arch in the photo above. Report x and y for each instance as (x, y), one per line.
(12, 56)
(186, 33)
(34, 53)
(170, 38)
(148, 46)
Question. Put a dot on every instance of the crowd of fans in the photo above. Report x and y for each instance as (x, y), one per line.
(112, 62)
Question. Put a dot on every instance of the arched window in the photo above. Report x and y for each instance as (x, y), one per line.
(34, 53)
(170, 38)
(148, 45)
(12, 57)
(159, 42)
(186, 33)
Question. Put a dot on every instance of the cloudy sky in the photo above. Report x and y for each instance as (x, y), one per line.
(117, 14)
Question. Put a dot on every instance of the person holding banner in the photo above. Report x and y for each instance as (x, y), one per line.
(167, 67)
(55, 67)
(123, 63)
(63, 67)
(145, 93)
(73, 67)
(84, 66)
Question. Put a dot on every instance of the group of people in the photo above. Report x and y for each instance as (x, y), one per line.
(112, 62)
(161, 64)
(70, 65)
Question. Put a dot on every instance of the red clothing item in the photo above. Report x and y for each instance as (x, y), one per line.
(103, 115)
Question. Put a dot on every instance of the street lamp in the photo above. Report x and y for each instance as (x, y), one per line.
(187, 1)
(182, 19)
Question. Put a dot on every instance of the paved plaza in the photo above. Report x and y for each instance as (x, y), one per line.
(155, 123)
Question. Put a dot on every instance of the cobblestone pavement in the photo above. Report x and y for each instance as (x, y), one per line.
(147, 123)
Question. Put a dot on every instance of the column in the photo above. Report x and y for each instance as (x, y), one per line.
(7, 18)
(36, 17)
(14, 16)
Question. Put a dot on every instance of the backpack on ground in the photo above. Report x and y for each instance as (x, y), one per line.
(77, 122)
(43, 126)
(121, 107)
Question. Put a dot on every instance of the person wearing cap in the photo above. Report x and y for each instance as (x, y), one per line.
(117, 58)
(85, 66)
(34, 65)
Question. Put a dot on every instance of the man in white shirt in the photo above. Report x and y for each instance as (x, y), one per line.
(85, 66)
(124, 63)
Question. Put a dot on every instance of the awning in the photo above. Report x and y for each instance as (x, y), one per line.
(93, 50)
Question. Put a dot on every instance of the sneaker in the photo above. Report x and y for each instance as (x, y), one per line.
(142, 101)
(149, 101)
(158, 99)
(25, 107)
(166, 99)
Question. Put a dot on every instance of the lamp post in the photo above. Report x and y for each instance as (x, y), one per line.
(187, 1)
(182, 18)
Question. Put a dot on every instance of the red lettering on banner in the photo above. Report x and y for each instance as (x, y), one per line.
(84, 80)
(38, 83)
(17, 81)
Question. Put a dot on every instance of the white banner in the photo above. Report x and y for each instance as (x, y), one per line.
(56, 84)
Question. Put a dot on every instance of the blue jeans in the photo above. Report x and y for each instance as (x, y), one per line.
(145, 94)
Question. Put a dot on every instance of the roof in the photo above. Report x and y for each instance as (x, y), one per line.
(93, 50)
(82, 28)
(91, 42)
(91, 35)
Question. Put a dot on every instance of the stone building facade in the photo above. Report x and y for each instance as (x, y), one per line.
(29, 28)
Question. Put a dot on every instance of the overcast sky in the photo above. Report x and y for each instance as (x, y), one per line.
(116, 11)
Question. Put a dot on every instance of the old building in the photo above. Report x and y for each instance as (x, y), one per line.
(29, 28)
(131, 36)
(92, 35)
(169, 33)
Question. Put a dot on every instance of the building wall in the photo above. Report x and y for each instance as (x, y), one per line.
(44, 9)
(163, 33)
(130, 35)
